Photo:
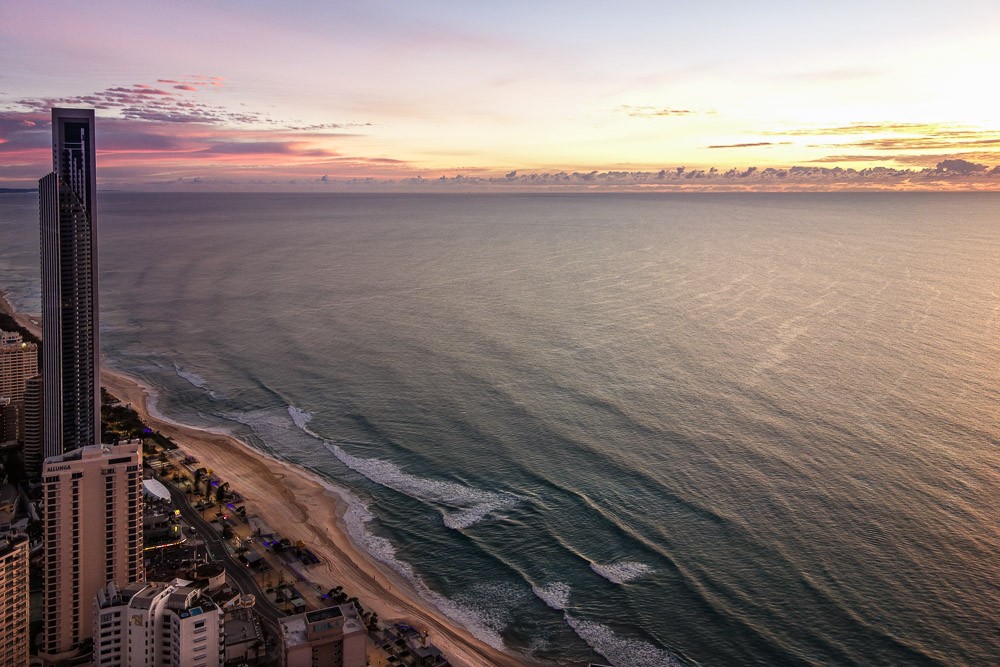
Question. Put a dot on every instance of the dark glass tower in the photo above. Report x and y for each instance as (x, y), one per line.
(70, 362)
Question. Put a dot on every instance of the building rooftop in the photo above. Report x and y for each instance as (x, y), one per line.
(94, 452)
(323, 614)
(296, 629)
(240, 631)
(7, 545)
(155, 488)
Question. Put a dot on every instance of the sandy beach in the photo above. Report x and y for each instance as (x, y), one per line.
(305, 509)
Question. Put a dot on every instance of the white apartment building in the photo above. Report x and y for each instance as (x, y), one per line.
(150, 624)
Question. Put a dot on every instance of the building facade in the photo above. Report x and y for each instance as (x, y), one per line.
(70, 362)
(333, 637)
(92, 523)
(14, 601)
(156, 625)
(11, 422)
(18, 362)
(32, 422)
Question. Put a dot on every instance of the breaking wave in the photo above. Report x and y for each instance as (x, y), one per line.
(622, 572)
(555, 595)
(192, 377)
(465, 506)
(620, 651)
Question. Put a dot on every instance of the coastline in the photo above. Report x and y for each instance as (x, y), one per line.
(306, 509)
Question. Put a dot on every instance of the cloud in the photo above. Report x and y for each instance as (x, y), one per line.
(861, 128)
(319, 127)
(264, 148)
(145, 102)
(922, 143)
(179, 104)
(866, 157)
(656, 112)
(960, 167)
(752, 145)
(179, 136)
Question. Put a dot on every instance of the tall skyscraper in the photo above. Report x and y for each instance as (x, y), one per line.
(70, 362)
(92, 523)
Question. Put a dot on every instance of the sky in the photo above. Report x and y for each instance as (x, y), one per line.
(218, 94)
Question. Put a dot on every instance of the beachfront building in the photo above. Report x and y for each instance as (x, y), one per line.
(92, 523)
(334, 637)
(150, 624)
(14, 601)
(18, 362)
(32, 421)
(70, 362)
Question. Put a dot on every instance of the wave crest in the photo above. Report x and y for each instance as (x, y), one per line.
(620, 651)
(555, 594)
(192, 377)
(621, 572)
(466, 506)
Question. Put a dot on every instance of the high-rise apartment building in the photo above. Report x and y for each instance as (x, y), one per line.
(11, 422)
(14, 601)
(70, 362)
(32, 414)
(18, 362)
(92, 523)
(150, 624)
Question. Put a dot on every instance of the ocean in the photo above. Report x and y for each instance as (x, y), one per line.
(643, 429)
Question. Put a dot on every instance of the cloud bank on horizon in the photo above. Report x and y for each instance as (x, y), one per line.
(384, 95)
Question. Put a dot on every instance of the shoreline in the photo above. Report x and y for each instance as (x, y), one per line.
(308, 509)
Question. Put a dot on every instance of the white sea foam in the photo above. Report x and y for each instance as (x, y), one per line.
(468, 505)
(484, 613)
(621, 572)
(480, 620)
(555, 594)
(464, 506)
(192, 377)
(621, 651)
(485, 621)
(301, 418)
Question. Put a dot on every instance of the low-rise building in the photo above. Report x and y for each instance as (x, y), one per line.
(333, 637)
(244, 639)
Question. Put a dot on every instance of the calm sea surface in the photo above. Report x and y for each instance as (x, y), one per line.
(716, 430)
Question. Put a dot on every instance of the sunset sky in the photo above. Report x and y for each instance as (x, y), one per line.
(219, 95)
